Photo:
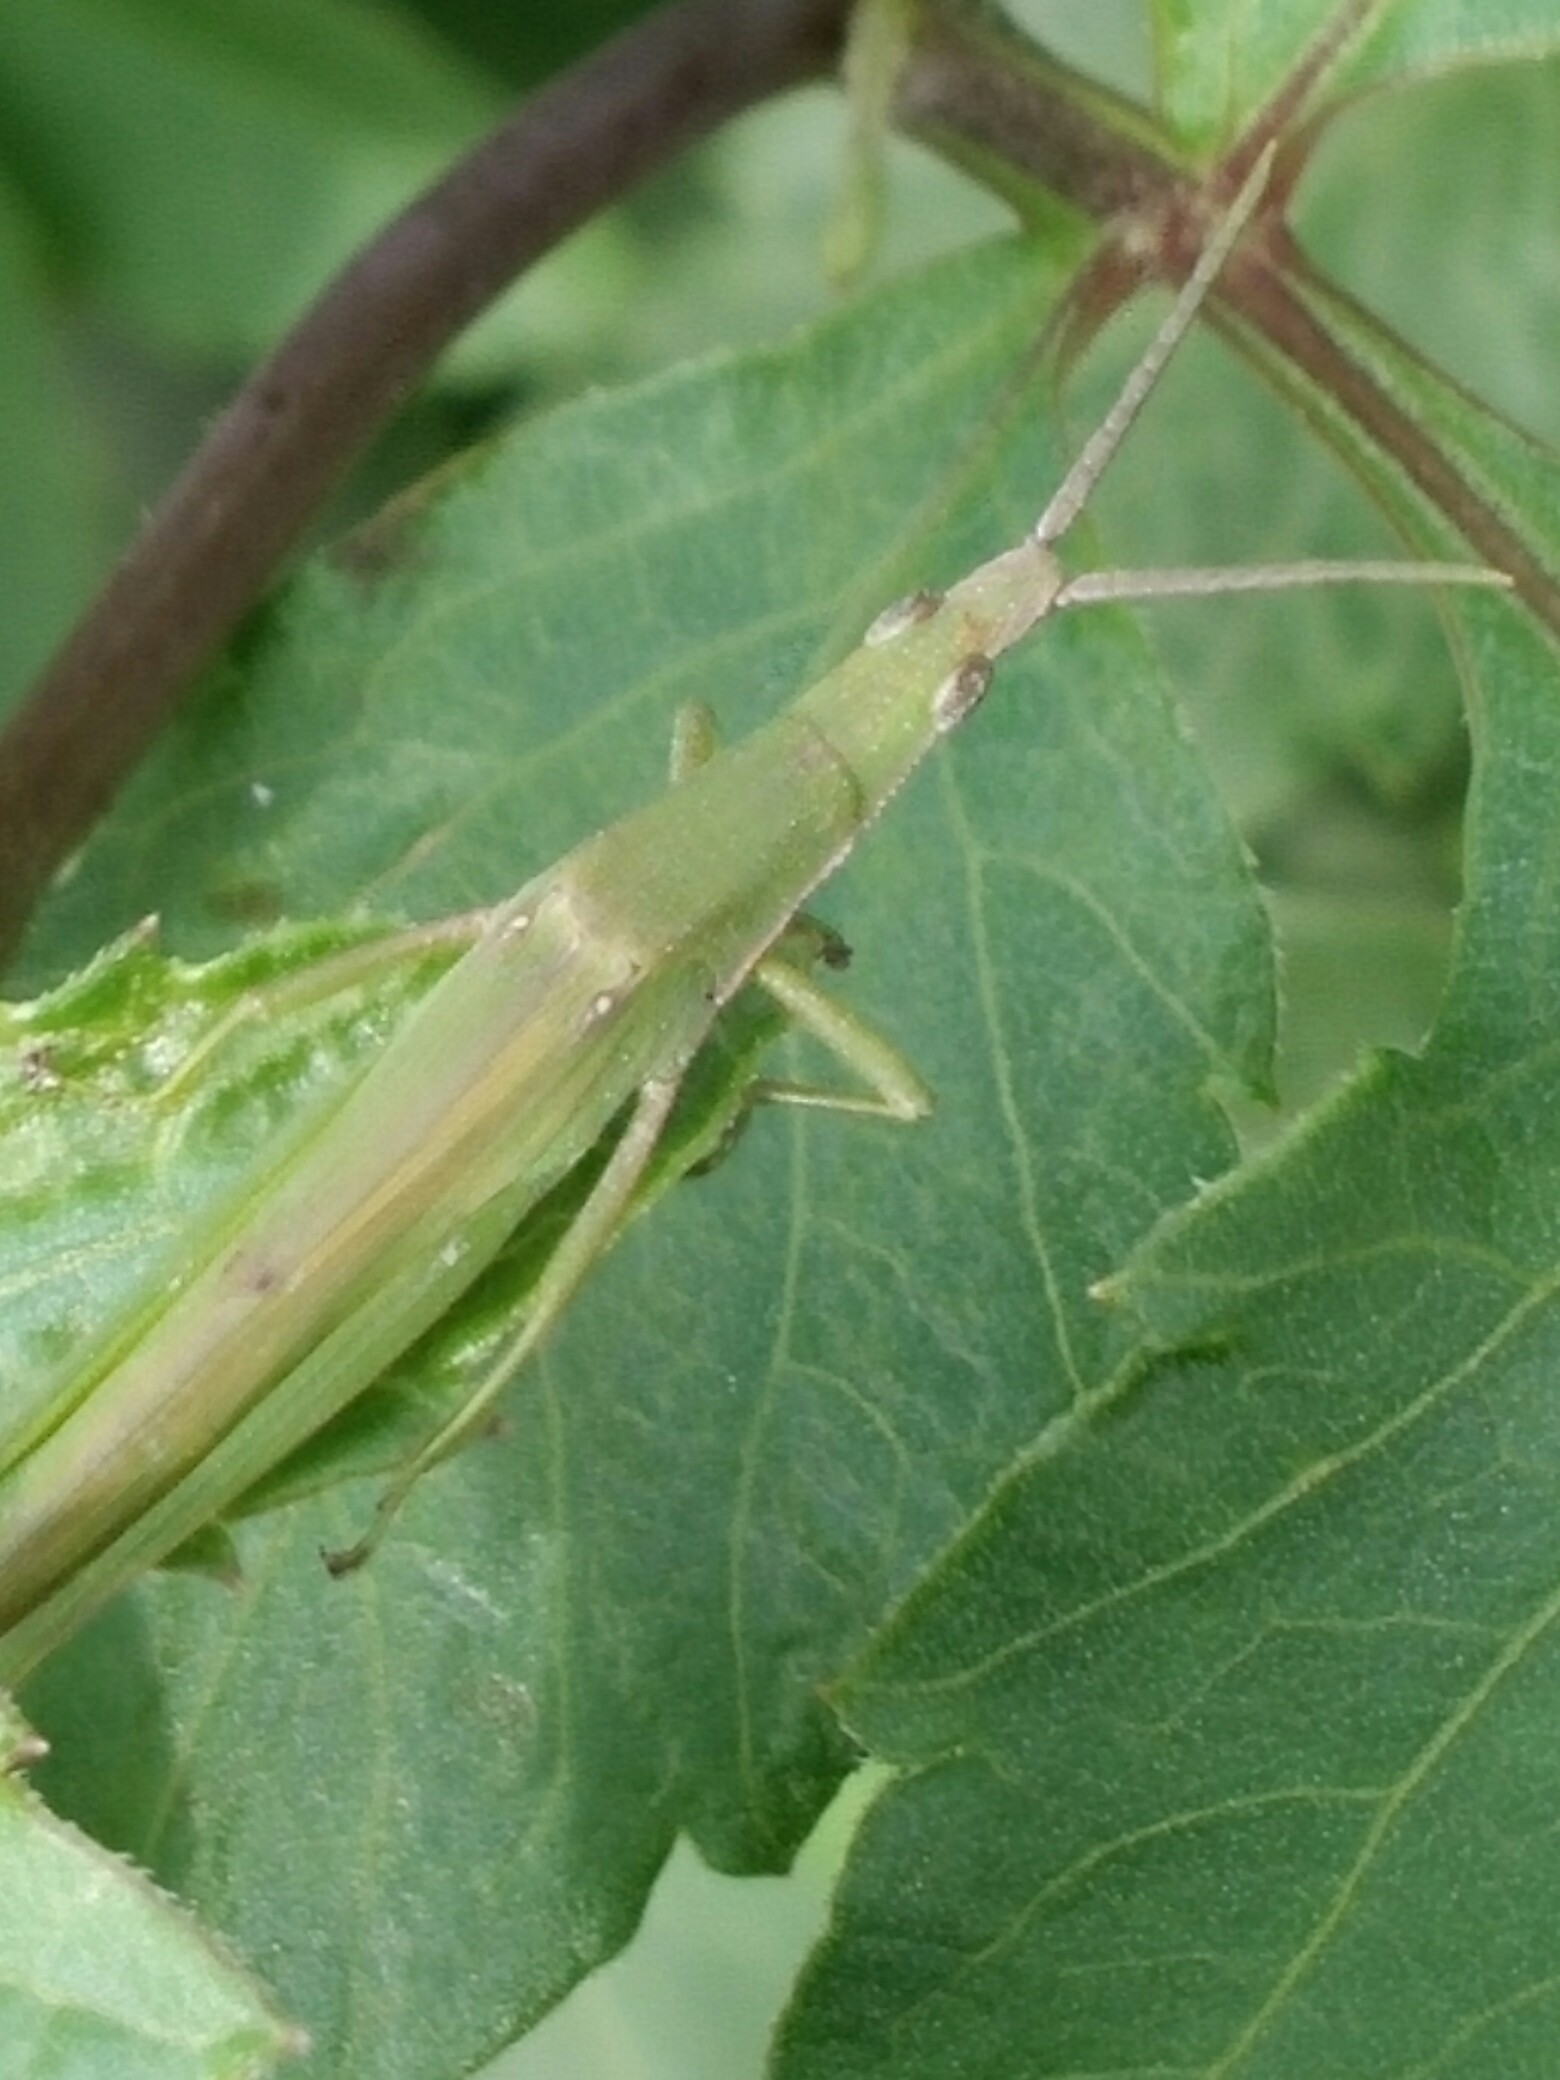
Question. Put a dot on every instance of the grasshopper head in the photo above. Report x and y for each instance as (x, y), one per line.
(1002, 601)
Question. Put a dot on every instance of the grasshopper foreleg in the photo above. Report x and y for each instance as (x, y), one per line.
(892, 1090)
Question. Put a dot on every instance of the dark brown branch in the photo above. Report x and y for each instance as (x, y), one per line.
(310, 409)
(980, 94)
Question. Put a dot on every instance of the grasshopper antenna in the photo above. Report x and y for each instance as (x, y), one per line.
(1099, 450)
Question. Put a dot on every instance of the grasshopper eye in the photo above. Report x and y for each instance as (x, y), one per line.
(904, 614)
(963, 690)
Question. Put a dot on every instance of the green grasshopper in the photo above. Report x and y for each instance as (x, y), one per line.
(581, 1002)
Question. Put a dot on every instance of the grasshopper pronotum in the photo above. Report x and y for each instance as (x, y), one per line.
(582, 999)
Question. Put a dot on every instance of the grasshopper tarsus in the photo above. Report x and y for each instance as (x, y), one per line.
(807, 938)
(908, 612)
(340, 1561)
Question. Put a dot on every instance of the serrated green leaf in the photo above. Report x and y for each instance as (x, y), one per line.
(139, 1102)
(1219, 61)
(1228, 1722)
(787, 1390)
(1423, 39)
(102, 1974)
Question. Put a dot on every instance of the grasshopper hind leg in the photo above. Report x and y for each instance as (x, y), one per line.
(587, 1238)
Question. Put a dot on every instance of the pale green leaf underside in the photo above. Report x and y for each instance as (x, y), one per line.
(141, 1104)
(144, 1105)
(102, 1974)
